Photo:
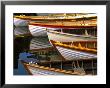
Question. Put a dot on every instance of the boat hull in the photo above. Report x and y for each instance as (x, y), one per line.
(64, 37)
(37, 30)
(35, 69)
(69, 54)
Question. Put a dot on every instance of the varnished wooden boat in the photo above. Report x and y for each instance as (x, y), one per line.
(72, 52)
(66, 37)
(39, 30)
(22, 20)
(35, 69)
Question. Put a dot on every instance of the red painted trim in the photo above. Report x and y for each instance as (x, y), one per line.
(60, 26)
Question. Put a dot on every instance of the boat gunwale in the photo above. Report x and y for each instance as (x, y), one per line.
(62, 26)
(71, 35)
(49, 69)
(55, 44)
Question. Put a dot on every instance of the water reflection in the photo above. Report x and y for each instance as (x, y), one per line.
(32, 49)
(21, 31)
(39, 43)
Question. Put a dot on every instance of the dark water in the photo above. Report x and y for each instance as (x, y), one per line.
(20, 45)
(26, 48)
